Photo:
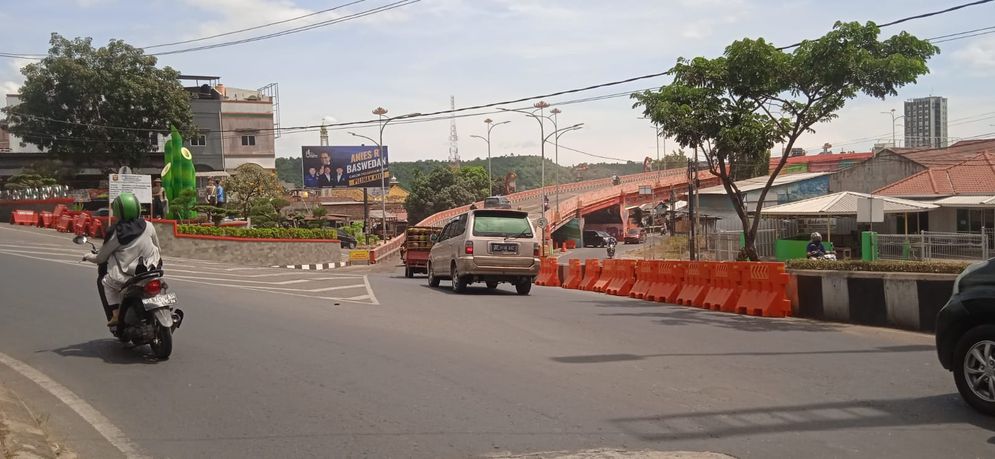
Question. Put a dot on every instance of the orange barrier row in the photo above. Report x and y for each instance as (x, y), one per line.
(758, 289)
(574, 275)
(23, 217)
(63, 223)
(549, 273)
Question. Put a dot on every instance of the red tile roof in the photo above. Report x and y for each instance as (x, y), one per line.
(972, 176)
(950, 156)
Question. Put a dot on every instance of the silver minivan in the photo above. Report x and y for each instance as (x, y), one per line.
(486, 245)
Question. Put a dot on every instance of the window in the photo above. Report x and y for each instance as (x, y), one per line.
(445, 232)
(459, 226)
(248, 140)
(502, 224)
(198, 140)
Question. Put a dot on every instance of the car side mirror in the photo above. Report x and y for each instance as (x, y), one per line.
(434, 238)
(81, 239)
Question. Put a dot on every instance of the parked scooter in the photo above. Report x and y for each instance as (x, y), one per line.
(147, 314)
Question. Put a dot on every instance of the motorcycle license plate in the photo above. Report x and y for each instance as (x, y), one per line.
(159, 301)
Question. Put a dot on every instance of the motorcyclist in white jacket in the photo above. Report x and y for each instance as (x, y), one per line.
(131, 247)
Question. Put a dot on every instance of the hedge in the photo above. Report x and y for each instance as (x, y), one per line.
(259, 233)
(888, 266)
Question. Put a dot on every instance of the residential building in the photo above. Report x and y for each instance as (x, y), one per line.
(964, 191)
(13, 141)
(4, 140)
(891, 165)
(926, 122)
(234, 126)
(786, 188)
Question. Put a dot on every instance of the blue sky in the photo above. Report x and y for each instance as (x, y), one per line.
(414, 58)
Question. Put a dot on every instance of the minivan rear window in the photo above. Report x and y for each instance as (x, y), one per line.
(501, 224)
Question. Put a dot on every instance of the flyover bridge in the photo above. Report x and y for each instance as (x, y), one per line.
(576, 199)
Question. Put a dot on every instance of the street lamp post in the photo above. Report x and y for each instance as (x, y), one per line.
(490, 125)
(556, 157)
(893, 119)
(380, 111)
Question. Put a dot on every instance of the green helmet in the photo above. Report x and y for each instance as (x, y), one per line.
(126, 207)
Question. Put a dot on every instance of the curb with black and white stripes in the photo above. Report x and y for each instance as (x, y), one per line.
(316, 267)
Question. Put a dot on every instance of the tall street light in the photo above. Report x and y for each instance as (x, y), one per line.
(490, 125)
(380, 111)
(556, 138)
(556, 157)
(893, 119)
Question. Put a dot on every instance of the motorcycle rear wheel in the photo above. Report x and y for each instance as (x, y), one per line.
(162, 345)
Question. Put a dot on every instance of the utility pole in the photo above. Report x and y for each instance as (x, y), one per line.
(453, 138)
(692, 210)
(556, 171)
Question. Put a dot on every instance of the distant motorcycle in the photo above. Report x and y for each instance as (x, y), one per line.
(823, 256)
(147, 314)
(611, 248)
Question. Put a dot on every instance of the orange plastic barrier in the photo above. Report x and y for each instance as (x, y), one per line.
(592, 273)
(548, 273)
(696, 284)
(574, 275)
(23, 217)
(80, 223)
(725, 288)
(58, 211)
(624, 279)
(571, 244)
(764, 290)
(63, 223)
(646, 273)
(45, 219)
(670, 277)
(608, 273)
(96, 228)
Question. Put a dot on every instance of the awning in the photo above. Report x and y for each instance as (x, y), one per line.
(845, 203)
(966, 201)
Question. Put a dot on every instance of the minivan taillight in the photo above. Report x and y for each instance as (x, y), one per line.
(469, 247)
(535, 250)
(153, 287)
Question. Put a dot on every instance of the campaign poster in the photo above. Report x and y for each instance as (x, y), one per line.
(344, 166)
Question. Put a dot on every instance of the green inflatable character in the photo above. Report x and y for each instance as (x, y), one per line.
(178, 175)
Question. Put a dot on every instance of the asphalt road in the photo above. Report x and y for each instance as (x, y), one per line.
(331, 368)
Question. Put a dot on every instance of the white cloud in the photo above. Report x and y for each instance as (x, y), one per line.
(90, 3)
(11, 78)
(240, 14)
(978, 56)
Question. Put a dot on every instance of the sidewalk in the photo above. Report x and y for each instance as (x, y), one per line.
(22, 434)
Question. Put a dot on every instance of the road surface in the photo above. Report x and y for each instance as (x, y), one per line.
(346, 365)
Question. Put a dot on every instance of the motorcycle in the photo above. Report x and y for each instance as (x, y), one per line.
(824, 256)
(147, 311)
(611, 249)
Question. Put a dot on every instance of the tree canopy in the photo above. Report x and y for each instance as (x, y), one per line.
(736, 107)
(98, 105)
(250, 183)
(444, 188)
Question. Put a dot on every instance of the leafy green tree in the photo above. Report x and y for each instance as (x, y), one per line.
(676, 159)
(183, 205)
(263, 213)
(734, 108)
(445, 188)
(97, 105)
(289, 170)
(250, 182)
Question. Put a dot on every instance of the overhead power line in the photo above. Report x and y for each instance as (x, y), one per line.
(261, 26)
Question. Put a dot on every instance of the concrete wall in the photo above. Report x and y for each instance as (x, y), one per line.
(207, 119)
(884, 169)
(943, 219)
(900, 300)
(248, 118)
(254, 252)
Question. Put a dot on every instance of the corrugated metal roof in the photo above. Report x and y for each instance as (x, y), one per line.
(950, 156)
(844, 203)
(757, 183)
(967, 201)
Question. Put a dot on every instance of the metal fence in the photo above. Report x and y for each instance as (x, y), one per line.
(725, 244)
(933, 245)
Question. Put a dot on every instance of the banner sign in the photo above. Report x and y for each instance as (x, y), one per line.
(346, 166)
(137, 184)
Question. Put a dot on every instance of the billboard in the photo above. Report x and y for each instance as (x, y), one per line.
(346, 166)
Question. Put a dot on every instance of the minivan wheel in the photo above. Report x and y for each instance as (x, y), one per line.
(492, 285)
(432, 280)
(523, 287)
(459, 283)
(974, 368)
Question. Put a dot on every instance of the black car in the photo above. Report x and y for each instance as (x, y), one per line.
(596, 238)
(348, 242)
(965, 335)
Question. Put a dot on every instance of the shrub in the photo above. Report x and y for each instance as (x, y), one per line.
(887, 266)
(259, 233)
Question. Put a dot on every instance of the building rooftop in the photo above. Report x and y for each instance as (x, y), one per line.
(949, 156)
(757, 183)
(974, 176)
(823, 158)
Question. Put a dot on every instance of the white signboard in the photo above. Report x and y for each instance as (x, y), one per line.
(138, 184)
(870, 210)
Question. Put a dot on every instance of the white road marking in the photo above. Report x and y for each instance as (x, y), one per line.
(286, 282)
(98, 421)
(316, 290)
(373, 298)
